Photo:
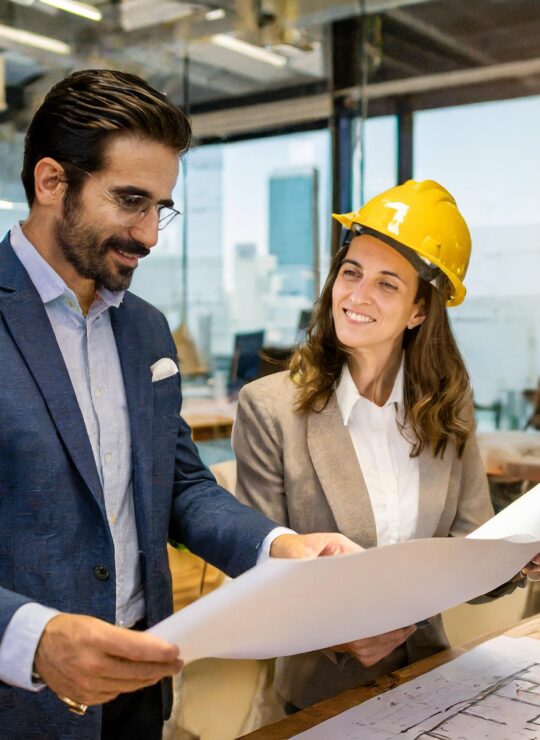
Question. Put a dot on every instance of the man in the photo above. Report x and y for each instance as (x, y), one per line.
(97, 469)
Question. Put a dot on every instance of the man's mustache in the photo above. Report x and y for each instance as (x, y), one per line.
(129, 246)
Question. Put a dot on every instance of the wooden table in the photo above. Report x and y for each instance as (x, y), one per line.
(528, 468)
(318, 713)
(205, 426)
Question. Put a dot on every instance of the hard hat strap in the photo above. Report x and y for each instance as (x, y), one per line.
(425, 269)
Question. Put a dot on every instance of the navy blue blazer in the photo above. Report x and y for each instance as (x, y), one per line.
(53, 525)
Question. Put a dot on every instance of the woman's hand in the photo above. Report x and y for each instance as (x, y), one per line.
(532, 569)
(372, 649)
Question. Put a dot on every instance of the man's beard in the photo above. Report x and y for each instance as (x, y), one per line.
(87, 253)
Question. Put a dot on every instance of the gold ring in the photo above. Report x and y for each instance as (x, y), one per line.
(74, 706)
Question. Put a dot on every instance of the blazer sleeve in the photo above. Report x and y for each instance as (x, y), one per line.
(258, 447)
(474, 502)
(205, 517)
(10, 602)
(475, 508)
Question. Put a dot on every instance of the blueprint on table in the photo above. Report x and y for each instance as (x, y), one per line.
(490, 693)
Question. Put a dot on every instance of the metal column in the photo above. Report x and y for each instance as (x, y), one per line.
(345, 72)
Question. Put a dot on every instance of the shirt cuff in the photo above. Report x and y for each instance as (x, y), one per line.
(264, 552)
(19, 644)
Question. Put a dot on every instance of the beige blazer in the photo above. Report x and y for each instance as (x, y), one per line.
(302, 471)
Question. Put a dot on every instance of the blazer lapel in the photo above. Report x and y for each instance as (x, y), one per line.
(434, 474)
(138, 387)
(334, 459)
(30, 328)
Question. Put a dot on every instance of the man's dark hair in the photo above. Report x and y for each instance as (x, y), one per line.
(81, 114)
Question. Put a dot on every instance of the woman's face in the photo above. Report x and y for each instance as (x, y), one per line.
(373, 296)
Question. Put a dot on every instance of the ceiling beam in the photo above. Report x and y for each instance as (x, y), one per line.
(443, 39)
(457, 78)
(268, 116)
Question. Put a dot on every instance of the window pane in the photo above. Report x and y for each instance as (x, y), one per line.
(487, 155)
(158, 279)
(13, 205)
(258, 220)
(380, 161)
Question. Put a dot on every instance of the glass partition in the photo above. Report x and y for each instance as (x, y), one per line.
(487, 155)
(380, 158)
(258, 224)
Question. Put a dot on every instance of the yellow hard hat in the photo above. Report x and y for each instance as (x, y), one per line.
(424, 218)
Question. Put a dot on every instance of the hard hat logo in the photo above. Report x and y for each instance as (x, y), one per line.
(422, 221)
(399, 216)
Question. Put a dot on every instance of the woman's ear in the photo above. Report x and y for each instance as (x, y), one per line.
(49, 182)
(418, 314)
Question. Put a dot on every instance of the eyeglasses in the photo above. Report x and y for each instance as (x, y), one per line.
(133, 208)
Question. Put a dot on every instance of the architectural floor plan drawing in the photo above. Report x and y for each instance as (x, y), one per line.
(507, 710)
(490, 693)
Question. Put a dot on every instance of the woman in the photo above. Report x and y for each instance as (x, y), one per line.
(371, 430)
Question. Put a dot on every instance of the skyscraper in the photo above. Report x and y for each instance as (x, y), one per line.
(293, 228)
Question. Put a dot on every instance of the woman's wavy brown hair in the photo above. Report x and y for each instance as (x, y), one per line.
(436, 382)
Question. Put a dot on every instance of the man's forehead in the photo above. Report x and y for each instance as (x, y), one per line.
(141, 162)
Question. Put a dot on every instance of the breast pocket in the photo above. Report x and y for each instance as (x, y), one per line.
(166, 395)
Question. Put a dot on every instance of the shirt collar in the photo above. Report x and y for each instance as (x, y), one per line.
(47, 281)
(347, 393)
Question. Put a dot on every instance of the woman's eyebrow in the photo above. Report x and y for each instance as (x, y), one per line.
(393, 274)
(383, 272)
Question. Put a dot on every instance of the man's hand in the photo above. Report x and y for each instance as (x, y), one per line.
(92, 661)
(532, 569)
(312, 545)
(372, 649)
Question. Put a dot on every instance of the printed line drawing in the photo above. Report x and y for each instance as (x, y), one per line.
(509, 709)
(489, 693)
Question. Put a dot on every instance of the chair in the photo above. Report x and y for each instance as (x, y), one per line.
(534, 419)
(303, 322)
(245, 360)
(273, 360)
(494, 408)
(191, 364)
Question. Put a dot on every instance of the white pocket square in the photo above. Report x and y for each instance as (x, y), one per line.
(163, 368)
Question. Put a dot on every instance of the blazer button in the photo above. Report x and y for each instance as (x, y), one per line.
(101, 573)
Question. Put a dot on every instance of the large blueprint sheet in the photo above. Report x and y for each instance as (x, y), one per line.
(490, 693)
(284, 607)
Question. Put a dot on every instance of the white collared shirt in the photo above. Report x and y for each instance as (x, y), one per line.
(391, 476)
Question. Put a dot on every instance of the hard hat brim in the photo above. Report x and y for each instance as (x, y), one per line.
(348, 220)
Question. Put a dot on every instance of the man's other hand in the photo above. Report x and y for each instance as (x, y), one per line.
(372, 649)
(312, 545)
(531, 570)
(93, 662)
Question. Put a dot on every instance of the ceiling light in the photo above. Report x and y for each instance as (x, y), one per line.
(250, 50)
(72, 6)
(215, 15)
(33, 39)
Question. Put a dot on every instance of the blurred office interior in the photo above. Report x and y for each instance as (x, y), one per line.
(301, 108)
